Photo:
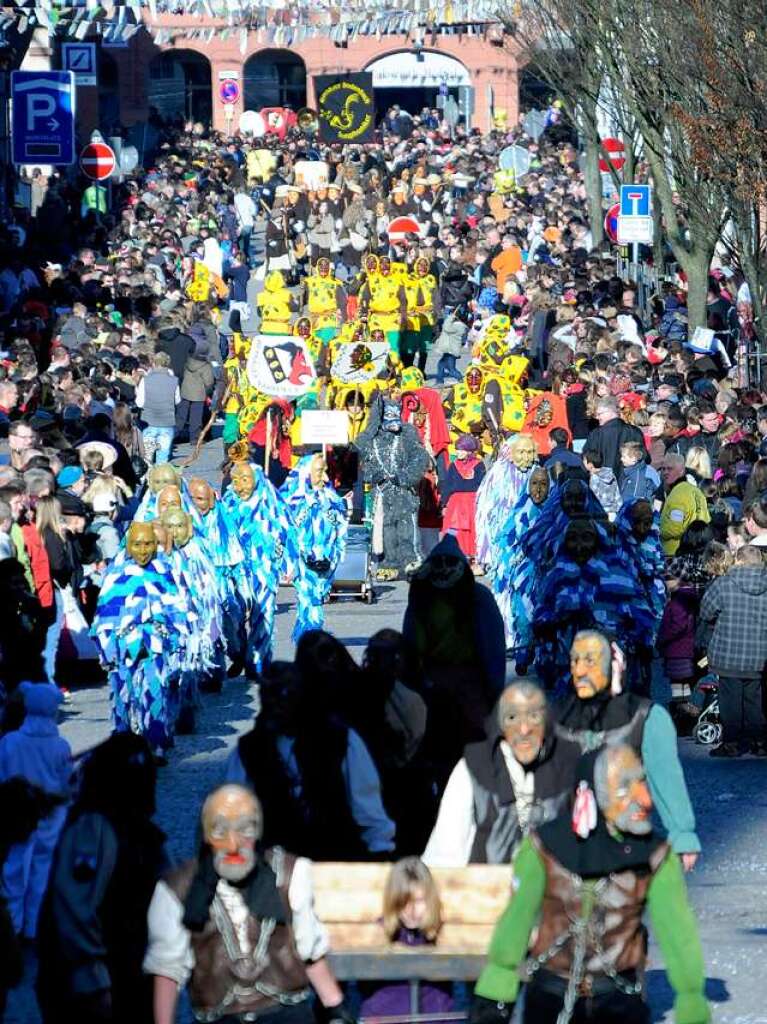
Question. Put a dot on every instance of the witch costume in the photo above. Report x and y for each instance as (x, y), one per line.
(393, 462)
(319, 521)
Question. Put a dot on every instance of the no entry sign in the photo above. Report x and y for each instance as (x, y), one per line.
(616, 152)
(611, 223)
(98, 161)
(229, 91)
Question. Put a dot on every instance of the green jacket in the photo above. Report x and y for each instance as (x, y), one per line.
(672, 919)
(683, 505)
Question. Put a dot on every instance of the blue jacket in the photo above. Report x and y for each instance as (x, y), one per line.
(36, 752)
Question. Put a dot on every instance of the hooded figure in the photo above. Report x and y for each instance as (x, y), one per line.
(319, 520)
(505, 785)
(93, 929)
(393, 461)
(456, 653)
(582, 884)
(459, 493)
(38, 754)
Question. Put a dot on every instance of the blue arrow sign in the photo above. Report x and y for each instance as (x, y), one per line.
(635, 201)
(43, 122)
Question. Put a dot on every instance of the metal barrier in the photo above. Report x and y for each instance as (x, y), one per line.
(648, 280)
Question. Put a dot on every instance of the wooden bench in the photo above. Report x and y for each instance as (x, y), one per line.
(348, 900)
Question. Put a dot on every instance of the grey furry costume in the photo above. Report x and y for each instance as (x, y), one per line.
(393, 461)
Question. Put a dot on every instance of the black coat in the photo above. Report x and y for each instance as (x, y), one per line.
(178, 346)
(608, 439)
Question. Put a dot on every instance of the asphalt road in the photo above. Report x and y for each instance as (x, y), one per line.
(728, 888)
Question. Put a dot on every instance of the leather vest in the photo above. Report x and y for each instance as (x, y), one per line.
(498, 829)
(616, 940)
(226, 979)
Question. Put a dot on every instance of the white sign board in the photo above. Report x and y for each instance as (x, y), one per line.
(324, 426)
(224, 76)
(635, 229)
(312, 174)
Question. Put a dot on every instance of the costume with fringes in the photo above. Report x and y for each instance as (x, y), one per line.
(142, 626)
(267, 537)
(319, 519)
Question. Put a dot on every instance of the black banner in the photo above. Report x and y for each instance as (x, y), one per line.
(346, 107)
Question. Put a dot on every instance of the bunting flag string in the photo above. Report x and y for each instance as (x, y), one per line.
(284, 21)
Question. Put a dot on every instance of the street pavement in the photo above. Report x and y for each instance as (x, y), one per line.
(728, 888)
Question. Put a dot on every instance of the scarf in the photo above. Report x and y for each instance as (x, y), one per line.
(260, 891)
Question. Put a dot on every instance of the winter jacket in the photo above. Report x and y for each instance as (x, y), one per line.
(198, 380)
(178, 346)
(676, 636)
(673, 324)
(605, 488)
(683, 505)
(451, 338)
(638, 481)
(455, 287)
(608, 439)
(35, 751)
(735, 608)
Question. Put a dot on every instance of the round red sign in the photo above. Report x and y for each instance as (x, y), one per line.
(98, 161)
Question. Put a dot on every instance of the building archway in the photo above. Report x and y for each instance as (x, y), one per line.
(274, 78)
(414, 79)
(180, 86)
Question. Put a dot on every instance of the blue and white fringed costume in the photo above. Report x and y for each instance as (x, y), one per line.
(319, 520)
(267, 537)
(147, 509)
(513, 581)
(222, 545)
(203, 657)
(142, 627)
(496, 499)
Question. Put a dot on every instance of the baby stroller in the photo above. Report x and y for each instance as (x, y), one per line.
(708, 728)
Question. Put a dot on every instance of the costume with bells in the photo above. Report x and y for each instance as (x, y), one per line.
(325, 301)
(262, 521)
(319, 521)
(573, 930)
(393, 462)
(420, 287)
(142, 626)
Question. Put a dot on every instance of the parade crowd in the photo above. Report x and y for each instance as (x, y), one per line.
(578, 512)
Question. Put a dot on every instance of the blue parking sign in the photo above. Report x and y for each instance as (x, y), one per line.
(635, 201)
(43, 120)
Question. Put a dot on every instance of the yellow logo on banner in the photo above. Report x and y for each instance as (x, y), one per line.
(355, 114)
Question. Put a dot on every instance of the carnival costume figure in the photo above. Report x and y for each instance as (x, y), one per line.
(393, 463)
(266, 533)
(574, 928)
(204, 662)
(318, 516)
(142, 626)
(497, 497)
(514, 578)
(589, 585)
(223, 547)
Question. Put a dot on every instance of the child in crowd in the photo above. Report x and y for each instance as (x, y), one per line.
(412, 915)
(602, 482)
(637, 478)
